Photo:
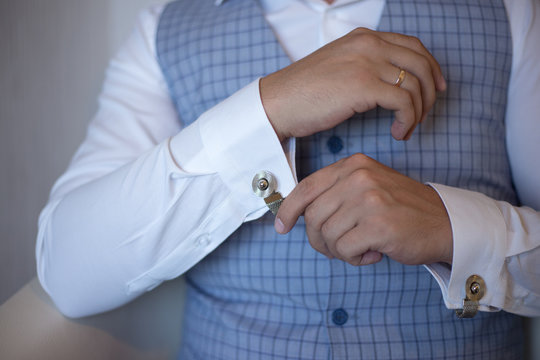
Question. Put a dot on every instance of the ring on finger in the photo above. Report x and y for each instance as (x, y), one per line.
(400, 78)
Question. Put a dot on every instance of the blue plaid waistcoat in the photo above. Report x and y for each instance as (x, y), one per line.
(266, 296)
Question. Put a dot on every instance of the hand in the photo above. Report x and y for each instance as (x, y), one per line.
(352, 75)
(358, 209)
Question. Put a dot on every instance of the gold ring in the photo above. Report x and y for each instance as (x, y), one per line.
(401, 78)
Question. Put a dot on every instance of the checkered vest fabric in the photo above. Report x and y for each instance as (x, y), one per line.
(261, 295)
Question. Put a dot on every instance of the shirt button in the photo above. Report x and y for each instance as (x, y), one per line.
(334, 144)
(203, 240)
(340, 317)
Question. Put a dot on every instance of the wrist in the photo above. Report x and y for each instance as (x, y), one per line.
(269, 96)
(444, 228)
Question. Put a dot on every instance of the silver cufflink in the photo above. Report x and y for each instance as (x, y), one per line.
(475, 289)
(264, 184)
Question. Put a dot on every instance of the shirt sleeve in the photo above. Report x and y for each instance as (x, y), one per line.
(493, 239)
(144, 199)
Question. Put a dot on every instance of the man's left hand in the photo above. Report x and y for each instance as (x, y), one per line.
(358, 209)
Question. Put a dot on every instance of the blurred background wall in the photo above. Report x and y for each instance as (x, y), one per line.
(53, 55)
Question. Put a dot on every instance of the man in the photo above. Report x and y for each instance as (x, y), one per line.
(162, 184)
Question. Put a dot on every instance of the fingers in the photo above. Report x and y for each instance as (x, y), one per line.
(313, 186)
(334, 202)
(408, 53)
(414, 44)
(403, 103)
(316, 216)
(327, 219)
(369, 258)
(423, 78)
(325, 88)
(302, 195)
(357, 249)
(389, 74)
(418, 70)
(336, 211)
(342, 238)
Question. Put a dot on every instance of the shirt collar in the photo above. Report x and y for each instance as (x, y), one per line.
(272, 4)
(336, 3)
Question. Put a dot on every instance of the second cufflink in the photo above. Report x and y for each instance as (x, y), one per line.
(264, 184)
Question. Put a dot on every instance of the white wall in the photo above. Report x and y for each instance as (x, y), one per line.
(52, 60)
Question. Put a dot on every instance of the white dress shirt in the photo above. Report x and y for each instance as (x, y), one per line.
(144, 198)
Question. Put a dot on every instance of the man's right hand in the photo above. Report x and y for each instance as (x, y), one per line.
(353, 74)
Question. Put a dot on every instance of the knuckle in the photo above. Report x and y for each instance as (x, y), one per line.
(425, 64)
(368, 41)
(327, 230)
(423, 69)
(359, 34)
(361, 30)
(375, 199)
(362, 178)
(306, 187)
(415, 42)
(357, 160)
(354, 259)
(311, 218)
(342, 249)
(406, 99)
(317, 245)
(415, 82)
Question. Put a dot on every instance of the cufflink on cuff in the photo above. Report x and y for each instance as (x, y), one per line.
(475, 289)
(264, 185)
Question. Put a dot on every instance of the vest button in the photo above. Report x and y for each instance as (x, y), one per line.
(335, 144)
(340, 317)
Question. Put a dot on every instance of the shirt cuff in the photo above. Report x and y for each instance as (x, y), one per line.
(479, 235)
(237, 140)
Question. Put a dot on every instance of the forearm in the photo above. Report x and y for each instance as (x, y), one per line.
(123, 232)
(103, 235)
(108, 241)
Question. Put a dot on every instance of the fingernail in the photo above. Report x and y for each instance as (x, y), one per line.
(278, 225)
(402, 132)
(398, 131)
